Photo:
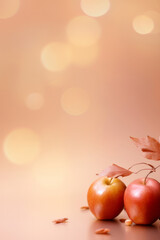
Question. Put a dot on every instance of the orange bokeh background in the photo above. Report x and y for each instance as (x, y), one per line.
(73, 88)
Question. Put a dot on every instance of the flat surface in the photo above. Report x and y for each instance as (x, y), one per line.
(84, 227)
(31, 219)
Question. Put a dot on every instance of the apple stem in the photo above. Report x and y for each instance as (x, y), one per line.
(110, 180)
(152, 169)
(147, 176)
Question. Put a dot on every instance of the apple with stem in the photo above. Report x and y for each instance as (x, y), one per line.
(142, 201)
(106, 197)
(142, 196)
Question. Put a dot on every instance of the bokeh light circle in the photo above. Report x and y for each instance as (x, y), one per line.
(155, 16)
(75, 101)
(143, 24)
(83, 31)
(84, 56)
(34, 101)
(21, 146)
(8, 8)
(56, 56)
(95, 8)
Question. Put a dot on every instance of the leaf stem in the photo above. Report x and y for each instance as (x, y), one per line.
(157, 167)
(141, 163)
(142, 170)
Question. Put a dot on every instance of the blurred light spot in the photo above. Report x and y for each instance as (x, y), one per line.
(75, 101)
(56, 56)
(95, 8)
(59, 79)
(21, 146)
(83, 31)
(84, 56)
(34, 101)
(155, 16)
(9, 8)
(143, 24)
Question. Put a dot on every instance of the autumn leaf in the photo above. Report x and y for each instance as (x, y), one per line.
(122, 220)
(84, 208)
(102, 231)
(149, 146)
(115, 171)
(61, 220)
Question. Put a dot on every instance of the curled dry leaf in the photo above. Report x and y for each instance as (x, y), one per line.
(122, 220)
(61, 220)
(84, 208)
(115, 171)
(102, 231)
(149, 146)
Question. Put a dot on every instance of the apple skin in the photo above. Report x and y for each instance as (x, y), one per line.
(142, 201)
(106, 197)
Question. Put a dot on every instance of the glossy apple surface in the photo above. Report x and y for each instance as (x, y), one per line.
(106, 197)
(142, 201)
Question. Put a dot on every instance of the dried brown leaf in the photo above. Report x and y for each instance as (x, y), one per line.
(122, 220)
(61, 220)
(84, 208)
(149, 146)
(115, 171)
(102, 231)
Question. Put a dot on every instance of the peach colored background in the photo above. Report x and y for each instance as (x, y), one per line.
(121, 99)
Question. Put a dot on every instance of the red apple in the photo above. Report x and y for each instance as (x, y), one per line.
(105, 197)
(142, 201)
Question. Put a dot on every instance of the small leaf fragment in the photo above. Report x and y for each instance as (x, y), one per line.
(102, 231)
(115, 171)
(149, 146)
(128, 222)
(84, 208)
(61, 220)
(122, 220)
